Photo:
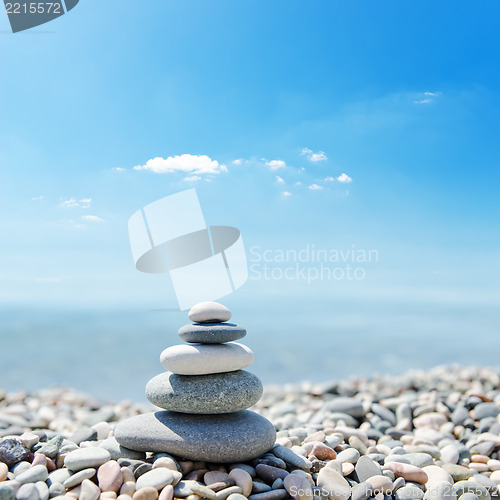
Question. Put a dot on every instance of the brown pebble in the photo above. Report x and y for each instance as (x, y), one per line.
(221, 485)
(242, 479)
(146, 493)
(167, 493)
(316, 436)
(196, 475)
(39, 459)
(483, 459)
(193, 497)
(4, 470)
(51, 466)
(322, 452)
(127, 474)
(409, 472)
(215, 476)
(186, 467)
(217, 467)
(165, 462)
(347, 468)
(109, 476)
(128, 488)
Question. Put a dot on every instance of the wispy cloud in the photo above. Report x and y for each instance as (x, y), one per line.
(315, 187)
(426, 97)
(239, 161)
(91, 218)
(185, 163)
(280, 180)
(74, 203)
(329, 179)
(275, 164)
(344, 178)
(118, 169)
(192, 178)
(312, 156)
(37, 198)
(286, 193)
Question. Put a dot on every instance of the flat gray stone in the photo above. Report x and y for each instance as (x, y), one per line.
(211, 333)
(409, 492)
(7, 492)
(366, 468)
(85, 458)
(483, 410)
(215, 393)
(350, 455)
(361, 491)
(230, 437)
(202, 359)
(343, 404)
(290, 457)
(28, 492)
(156, 478)
(33, 474)
(384, 413)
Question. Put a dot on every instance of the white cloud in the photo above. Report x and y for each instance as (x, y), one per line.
(192, 178)
(276, 164)
(329, 179)
(298, 183)
(92, 218)
(238, 161)
(73, 202)
(426, 97)
(312, 156)
(280, 180)
(187, 163)
(118, 169)
(315, 187)
(37, 198)
(286, 193)
(344, 178)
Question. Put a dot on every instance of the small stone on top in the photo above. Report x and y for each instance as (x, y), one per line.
(209, 312)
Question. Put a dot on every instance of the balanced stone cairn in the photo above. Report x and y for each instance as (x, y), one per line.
(205, 393)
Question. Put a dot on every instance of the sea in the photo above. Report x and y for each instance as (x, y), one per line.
(111, 353)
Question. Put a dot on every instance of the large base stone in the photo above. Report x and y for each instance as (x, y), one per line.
(209, 394)
(230, 437)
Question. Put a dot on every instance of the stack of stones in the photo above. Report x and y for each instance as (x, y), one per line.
(205, 394)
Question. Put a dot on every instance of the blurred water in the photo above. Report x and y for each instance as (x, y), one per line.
(111, 354)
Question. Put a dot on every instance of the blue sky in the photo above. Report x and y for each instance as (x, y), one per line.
(399, 100)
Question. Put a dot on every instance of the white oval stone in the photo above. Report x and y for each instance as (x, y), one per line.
(203, 359)
(209, 312)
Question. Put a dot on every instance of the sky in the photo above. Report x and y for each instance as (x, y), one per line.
(333, 125)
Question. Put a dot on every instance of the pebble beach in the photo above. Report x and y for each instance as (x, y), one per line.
(422, 435)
